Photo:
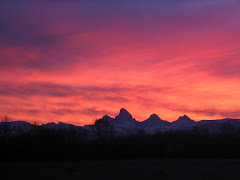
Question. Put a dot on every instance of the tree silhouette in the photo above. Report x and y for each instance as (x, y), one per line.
(103, 128)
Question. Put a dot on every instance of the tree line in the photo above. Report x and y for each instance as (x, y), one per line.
(74, 144)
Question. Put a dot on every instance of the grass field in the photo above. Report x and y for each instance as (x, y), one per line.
(197, 169)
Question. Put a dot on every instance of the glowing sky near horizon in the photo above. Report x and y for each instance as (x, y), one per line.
(75, 61)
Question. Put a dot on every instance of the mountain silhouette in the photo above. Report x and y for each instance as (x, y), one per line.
(125, 124)
(184, 119)
(154, 120)
(123, 116)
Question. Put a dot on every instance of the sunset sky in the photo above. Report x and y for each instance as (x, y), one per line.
(77, 60)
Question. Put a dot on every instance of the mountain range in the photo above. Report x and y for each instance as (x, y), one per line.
(125, 124)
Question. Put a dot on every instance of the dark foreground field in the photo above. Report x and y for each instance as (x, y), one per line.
(197, 169)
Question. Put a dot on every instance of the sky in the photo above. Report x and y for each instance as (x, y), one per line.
(77, 60)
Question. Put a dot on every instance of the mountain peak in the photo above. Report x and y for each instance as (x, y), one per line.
(154, 116)
(184, 119)
(154, 120)
(107, 117)
(124, 115)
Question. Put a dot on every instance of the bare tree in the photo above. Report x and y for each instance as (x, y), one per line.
(5, 128)
(103, 128)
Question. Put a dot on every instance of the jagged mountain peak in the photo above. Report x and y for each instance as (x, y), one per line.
(124, 112)
(107, 117)
(124, 115)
